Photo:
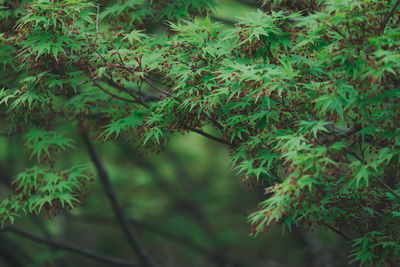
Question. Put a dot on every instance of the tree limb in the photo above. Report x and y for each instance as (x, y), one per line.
(69, 247)
(112, 94)
(104, 177)
(389, 15)
(187, 204)
(138, 94)
(382, 183)
(209, 136)
(338, 231)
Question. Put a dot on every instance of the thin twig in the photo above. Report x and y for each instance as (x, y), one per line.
(338, 231)
(386, 186)
(141, 96)
(112, 94)
(69, 247)
(139, 61)
(209, 136)
(389, 15)
(216, 123)
(111, 81)
(104, 177)
(155, 87)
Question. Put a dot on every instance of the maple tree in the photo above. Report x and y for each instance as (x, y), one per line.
(304, 93)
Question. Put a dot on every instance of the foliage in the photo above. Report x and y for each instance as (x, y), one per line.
(305, 94)
(38, 188)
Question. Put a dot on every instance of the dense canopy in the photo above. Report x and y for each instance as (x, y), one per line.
(304, 94)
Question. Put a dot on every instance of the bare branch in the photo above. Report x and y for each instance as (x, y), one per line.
(112, 94)
(104, 177)
(338, 231)
(209, 136)
(155, 87)
(145, 96)
(69, 247)
(184, 202)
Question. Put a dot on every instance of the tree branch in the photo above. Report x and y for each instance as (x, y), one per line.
(382, 183)
(103, 175)
(389, 15)
(144, 96)
(112, 94)
(155, 87)
(69, 247)
(190, 207)
(209, 136)
(338, 231)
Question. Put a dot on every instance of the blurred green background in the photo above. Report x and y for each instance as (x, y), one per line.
(186, 205)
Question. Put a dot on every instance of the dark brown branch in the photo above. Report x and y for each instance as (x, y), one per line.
(215, 123)
(387, 187)
(209, 136)
(389, 15)
(103, 175)
(184, 202)
(155, 87)
(338, 231)
(111, 82)
(143, 78)
(137, 94)
(130, 69)
(69, 247)
(112, 94)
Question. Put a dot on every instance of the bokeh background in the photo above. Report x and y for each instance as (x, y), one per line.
(186, 205)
